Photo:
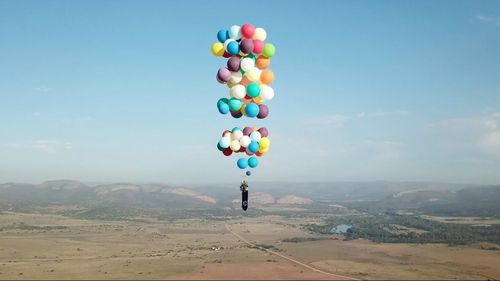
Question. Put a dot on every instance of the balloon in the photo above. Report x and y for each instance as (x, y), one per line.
(234, 104)
(233, 47)
(223, 108)
(253, 74)
(238, 91)
(247, 131)
(266, 92)
(262, 62)
(242, 163)
(235, 129)
(234, 32)
(258, 100)
(264, 142)
(266, 76)
(269, 50)
(246, 46)
(236, 114)
(253, 147)
(226, 43)
(247, 64)
(235, 145)
(263, 111)
(227, 151)
(223, 74)
(253, 162)
(242, 149)
(255, 136)
(252, 56)
(252, 109)
(253, 90)
(233, 64)
(248, 173)
(222, 100)
(237, 135)
(260, 34)
(264, 149)
(245, 141)
(244, 81)
(226, 54)
(258, 153)
(263, 132)
(235, 77)
(219, 147)
(258, 46)
(224, 142)
(247, 30)
(218, 49)
(223, 35)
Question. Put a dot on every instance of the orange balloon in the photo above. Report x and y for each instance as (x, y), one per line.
(258, 154)
(255, 129)
(262, 62)
(267, 76)
(244, 81)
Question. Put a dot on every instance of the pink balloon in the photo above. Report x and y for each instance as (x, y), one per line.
(247, 30)
(258, 46)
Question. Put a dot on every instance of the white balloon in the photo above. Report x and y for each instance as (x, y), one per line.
(227, 43)
(255, 136)
(238, 91)
(235, 145)
(237, 135)
(260, 34)
(234, 32)
(253, 75)
(247, 64)
(245, 141)
(266, 92)
(235, 77)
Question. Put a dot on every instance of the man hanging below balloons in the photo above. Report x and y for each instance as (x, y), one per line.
(247, 76)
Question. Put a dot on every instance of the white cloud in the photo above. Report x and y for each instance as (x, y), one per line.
(386, 150)
(489, 20)
(339, 120)
(42, 88)
(491, 142)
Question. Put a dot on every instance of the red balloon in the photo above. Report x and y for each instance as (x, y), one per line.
(226, 131)
(242, 149)
(258, 46)
(228, 55)
(227, 151)
(247, 30)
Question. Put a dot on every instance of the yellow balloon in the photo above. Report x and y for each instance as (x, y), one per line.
(263, 149)
(230, 85)
(264, 142)
(218, 49)
(258, 100)
(243, 106)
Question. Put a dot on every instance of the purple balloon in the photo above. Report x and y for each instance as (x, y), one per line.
(224, 74)
(246, 46)
(233, 64)
(263, 111)
(247, 131)
(263, 132)
(218, 80)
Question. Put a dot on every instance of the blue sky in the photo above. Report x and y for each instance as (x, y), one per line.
(365, 90)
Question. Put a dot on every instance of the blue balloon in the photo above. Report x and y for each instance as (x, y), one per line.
(252, 109)
(223, 35)
(224, 142)
(233, 48)
(253, 147)
(248, 173)
(223, 108)
(242, 163)
(253, 162)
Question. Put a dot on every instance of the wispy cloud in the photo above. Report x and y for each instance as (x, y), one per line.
(386, 150)
(489, 20)
(51, 145)
(42, 88)
(340, 120)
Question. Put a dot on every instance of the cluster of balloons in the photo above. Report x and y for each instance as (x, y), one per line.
(246, 72)
(252, 141)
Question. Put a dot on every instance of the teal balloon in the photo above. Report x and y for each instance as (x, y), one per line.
(249, 173)
(242, 163)
(223, 108)
(222, 100)
(253, 162)
(252, 56)
(252, 109)
(253, 90)
(224, 142)
(235, 104)
(235, 129)
(253, 147)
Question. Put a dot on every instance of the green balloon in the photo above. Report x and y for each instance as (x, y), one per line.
(252, 56)
(234, 104)
(269, 50)
(253, 90)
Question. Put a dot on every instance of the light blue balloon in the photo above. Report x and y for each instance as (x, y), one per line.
(223, 108)
(224, 142)
(252, 109)
(234, 32)
(242, 163)
(233, 48)
(253, 147)
(223, 35)
(253, 162)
